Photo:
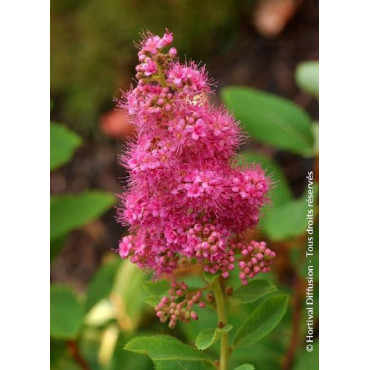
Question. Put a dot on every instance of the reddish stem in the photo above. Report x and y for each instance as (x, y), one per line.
(75, 353)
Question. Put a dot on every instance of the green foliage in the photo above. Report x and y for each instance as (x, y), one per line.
(165, 348)
(68, 212)
(261, 321)
(307, 77)
(207, 319)
(270, 119)
(56, 246)
(280, 192)
(245, 367)
(209, 336)
(57, 350)
(66, 313)
(179, 364)
(155, 291)
(102, 283)
(127, 286)
(157, 288)
(253, 291)
(63, 143)
(92, 52)
(288, 220)
(124, 360)
(308, 360)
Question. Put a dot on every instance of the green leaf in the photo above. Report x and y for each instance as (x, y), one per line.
(158, 288)
(101, 284)
(65, 363)
(152, 300)
(209, 336)
(253, 291)
(66, 314)
(56, 246)
(69, 212)
(181, 365)
(245, 367)
(270, 118)
(281, 192)
(63, 143)
(165, 348)
(308, 360)
(261, 321)
(307, 77)
(288, 220)
(58, 349)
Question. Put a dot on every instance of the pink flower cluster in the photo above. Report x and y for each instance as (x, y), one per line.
(187, 202)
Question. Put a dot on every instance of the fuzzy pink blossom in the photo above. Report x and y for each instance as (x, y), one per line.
(186, 201)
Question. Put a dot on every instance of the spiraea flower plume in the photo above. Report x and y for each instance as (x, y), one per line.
(186, 202)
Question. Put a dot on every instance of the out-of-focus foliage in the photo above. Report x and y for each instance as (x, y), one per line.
(288, 220)
(270, 119)
(68, 212)
(308, 360)
(92, 54)
(63, 143)
(307, 77)
(66, 313)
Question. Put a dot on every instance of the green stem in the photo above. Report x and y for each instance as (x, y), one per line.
(222, 321)
(161, 77)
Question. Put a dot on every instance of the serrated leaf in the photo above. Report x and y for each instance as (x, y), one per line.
(63, 143)
(69, 212)
(158, 288)
(261, 321)
(66, 314)
(245, 367)
(253, 291)
(270, 118)
(281, 191)
(101, 284)
(165, 348)
(307, 77)
(209, 336)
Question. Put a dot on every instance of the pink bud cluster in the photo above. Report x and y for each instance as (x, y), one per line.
(186, 201)
(179, 304)
(255, 258)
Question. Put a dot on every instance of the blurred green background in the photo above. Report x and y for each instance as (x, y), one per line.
(97, 301)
